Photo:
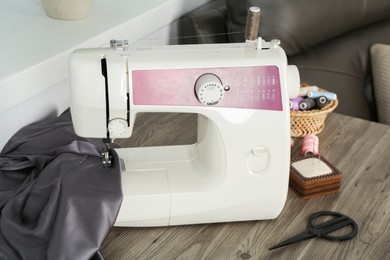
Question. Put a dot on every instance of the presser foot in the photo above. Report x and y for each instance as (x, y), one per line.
(106, 154)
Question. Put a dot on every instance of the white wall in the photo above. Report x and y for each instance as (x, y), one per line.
(40, 90)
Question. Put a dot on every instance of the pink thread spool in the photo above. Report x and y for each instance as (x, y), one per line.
(310, 145)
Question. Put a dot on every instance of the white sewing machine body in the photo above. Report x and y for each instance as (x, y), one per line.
(238, 169)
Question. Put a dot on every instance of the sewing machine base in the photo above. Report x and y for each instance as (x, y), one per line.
(169, 190)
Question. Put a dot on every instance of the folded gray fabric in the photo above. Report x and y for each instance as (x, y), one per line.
(56, 199)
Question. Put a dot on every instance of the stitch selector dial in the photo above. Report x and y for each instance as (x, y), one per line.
(209, 89)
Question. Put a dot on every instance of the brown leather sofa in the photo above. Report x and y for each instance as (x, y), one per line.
(328, 40)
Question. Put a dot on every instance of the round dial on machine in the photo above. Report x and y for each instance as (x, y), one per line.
(117, 127)
(209, 89)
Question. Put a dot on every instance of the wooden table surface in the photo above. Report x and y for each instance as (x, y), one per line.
(359, 149)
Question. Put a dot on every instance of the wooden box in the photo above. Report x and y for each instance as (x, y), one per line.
(312, 176)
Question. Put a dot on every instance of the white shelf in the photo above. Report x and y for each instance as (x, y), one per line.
(35, 47)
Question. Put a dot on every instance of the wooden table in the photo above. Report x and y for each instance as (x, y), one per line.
(359, 149)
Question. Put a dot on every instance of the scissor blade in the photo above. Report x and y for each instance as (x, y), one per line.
(294, 239)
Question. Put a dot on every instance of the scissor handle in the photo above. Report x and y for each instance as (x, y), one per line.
(323, 229)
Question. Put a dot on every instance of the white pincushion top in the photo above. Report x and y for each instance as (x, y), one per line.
(312, 167)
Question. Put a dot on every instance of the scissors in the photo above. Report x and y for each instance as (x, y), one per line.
(323, 229)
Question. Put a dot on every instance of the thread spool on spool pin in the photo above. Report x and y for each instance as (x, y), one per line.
(252, 24)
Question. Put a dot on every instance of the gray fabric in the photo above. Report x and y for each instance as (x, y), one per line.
(56, 200)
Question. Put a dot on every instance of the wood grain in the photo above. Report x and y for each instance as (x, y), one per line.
(358, 148)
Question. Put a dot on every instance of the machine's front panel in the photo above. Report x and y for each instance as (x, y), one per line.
(252, 87)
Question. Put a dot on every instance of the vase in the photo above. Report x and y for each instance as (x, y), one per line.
(67, 9)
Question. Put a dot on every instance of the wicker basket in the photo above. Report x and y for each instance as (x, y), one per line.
(307, 122)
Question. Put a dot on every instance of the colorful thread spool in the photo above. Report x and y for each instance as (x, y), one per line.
(321, 102)
(307, 103)
(294, 103)
(310, 145)
(317, 94)
(303, 91)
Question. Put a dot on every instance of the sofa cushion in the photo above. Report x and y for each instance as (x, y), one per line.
(301, 24)
(380, 58)
(342, 65)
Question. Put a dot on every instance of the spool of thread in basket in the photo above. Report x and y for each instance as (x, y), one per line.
(321, 102)
(294, 103)
(307, 103)
(317, 94)
(303, 91)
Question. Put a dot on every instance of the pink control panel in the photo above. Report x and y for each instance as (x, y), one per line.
(253, 87)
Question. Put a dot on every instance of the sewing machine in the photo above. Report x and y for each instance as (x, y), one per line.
(239, 167)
